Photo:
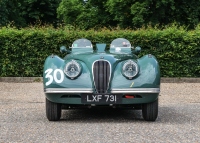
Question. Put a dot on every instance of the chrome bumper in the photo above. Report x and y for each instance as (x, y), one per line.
(90, 90)
(135, 90)
(68, 90)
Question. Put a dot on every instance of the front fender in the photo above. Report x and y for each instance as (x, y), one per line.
(148, 76)
(54, 76)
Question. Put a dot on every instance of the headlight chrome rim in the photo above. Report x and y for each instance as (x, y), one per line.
(128, 67)
(72, 69)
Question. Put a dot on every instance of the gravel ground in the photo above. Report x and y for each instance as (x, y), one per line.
(23, 119)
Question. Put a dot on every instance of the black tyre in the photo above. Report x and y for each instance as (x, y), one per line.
(150, 111)
(53, 110)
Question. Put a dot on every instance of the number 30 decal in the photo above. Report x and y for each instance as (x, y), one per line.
(54, 77)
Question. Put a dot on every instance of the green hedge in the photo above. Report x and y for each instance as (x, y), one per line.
(23, 52)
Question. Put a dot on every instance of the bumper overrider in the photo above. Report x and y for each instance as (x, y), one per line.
(80, 95)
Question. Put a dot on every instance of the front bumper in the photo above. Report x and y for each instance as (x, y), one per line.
(68, 90)
(73, 95)
(136, 90)
(88, 90)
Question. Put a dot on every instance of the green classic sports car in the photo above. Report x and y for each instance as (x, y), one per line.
(101, 76)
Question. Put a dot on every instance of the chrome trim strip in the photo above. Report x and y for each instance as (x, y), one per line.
(68, 90)
(135, 90)
(110, 71)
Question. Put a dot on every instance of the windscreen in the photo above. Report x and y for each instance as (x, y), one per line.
(120, 43)
(82, 43)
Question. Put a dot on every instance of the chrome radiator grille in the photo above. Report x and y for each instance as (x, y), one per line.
(101, 75)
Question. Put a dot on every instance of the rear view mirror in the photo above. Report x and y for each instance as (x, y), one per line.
(63, 49)
(137, 50)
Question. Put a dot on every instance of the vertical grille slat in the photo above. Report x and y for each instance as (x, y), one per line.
(101, 74)
(105, 77)
(100, 77)
(96, 73)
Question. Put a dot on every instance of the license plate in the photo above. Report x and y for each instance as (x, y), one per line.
(101, 98)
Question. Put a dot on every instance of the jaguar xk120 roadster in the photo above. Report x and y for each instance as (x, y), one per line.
(99, 76)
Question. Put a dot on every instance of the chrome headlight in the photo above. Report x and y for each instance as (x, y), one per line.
(72, 69)
(130, 69)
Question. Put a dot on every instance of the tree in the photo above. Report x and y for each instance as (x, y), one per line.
(152, 12)
(187, 12)
(39, 10)
(129, 13)
(83, 15)
(100, 13)
(120, 11)
(132, 13)
(10, 12)
(3, 13)
(24, 12)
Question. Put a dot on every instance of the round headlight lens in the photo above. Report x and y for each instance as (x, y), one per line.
(72, 69)
(130, 69)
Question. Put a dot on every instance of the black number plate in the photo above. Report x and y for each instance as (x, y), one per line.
(101, 99)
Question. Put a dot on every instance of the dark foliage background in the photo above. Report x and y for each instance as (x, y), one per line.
(100, 13)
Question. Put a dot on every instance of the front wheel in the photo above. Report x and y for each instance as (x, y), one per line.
(150, 111)
(53, 110)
